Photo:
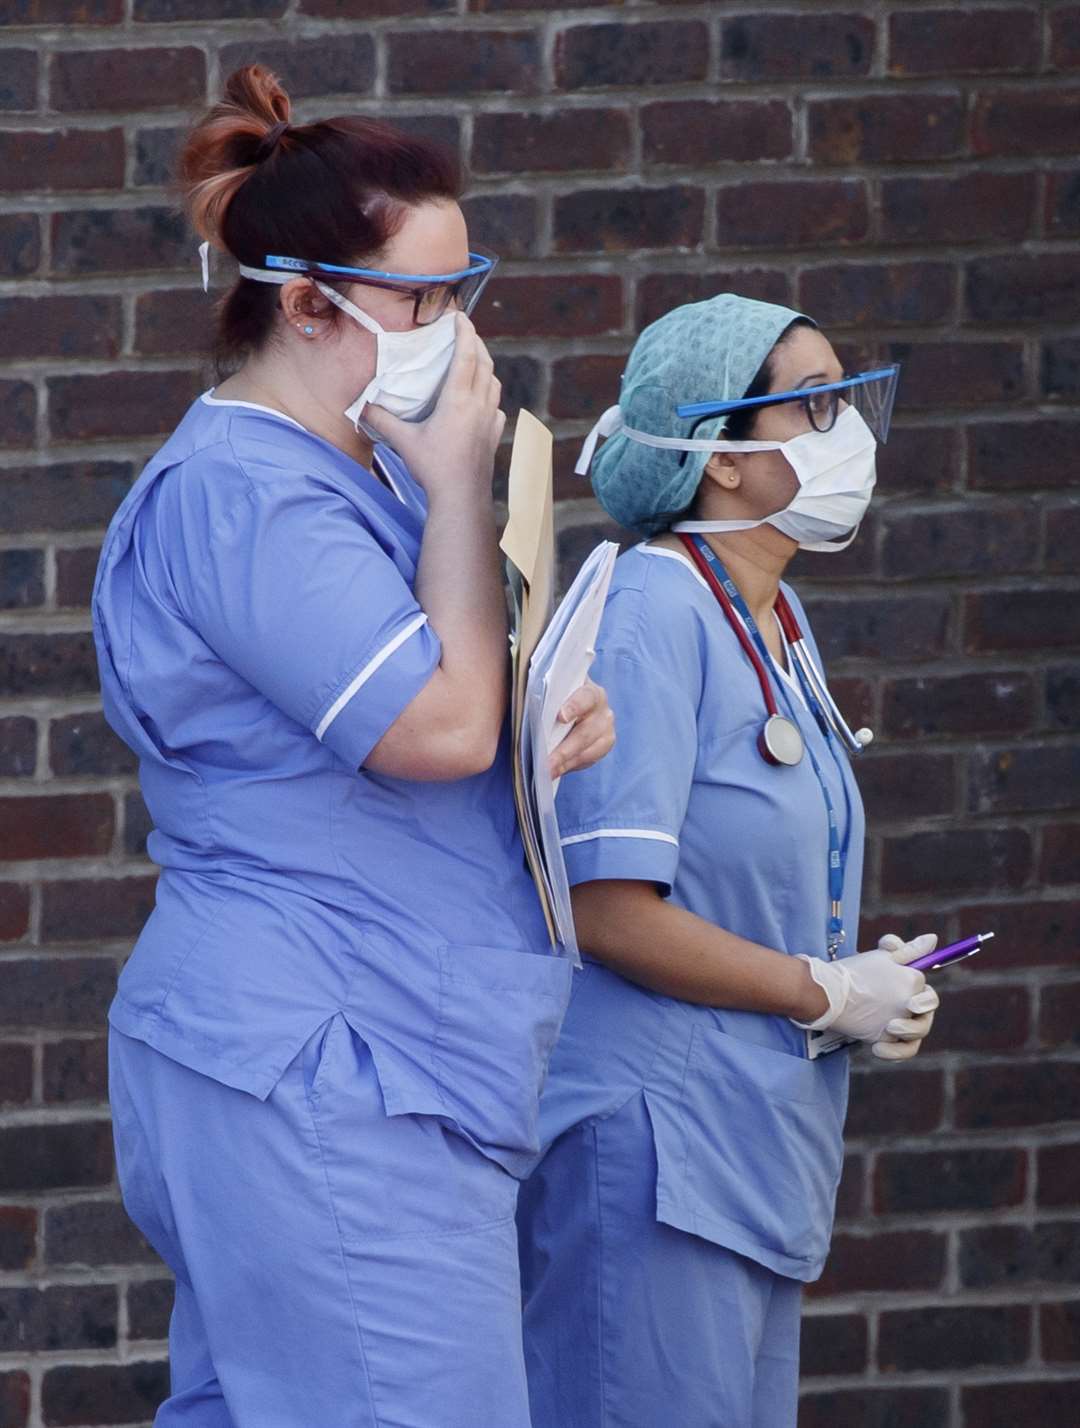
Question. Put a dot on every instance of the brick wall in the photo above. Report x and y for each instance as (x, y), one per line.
(905, 171)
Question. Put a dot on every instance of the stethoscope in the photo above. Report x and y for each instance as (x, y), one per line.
(780, 740)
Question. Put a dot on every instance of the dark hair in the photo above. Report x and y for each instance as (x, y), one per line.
(741, 422)
(333, 191)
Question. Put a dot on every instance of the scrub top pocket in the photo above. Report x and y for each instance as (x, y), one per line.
(748, 1148)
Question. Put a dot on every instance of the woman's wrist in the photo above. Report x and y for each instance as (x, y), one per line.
(809, 1000)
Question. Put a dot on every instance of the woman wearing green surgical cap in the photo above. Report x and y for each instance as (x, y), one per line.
(694, 1110)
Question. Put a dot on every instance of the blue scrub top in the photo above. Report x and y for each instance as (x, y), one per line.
(257, 634)
(748, 1130)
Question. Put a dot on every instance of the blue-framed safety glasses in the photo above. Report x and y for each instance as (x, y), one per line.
(432, 293)
(872, 394)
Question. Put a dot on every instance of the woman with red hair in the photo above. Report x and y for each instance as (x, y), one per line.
(327, 1047)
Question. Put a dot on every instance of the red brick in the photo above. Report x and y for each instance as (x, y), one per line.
(1019, 620)
(969, 703)
(18, 414)
(1060, 862)
(1029, 934)
(67, 496)
(14, 911)
(137, 824)
(61, 1316)
(179, 10)
(81, 744)
(961, 373)
(1062, 696)
(1026, 121)
(953, 1337)
(156, 153)
(1000, 1256)
(463, 62)
(508, 223)
(67, 326)
(957, 208)
(20, 244)
(120, 240)
(150, 1306)
(878, 294)
(36, 161)
(22, 579)
(40, 664)
(1004, 1405)
(119, 404)
(1065, 37)
(931, 1182)
(126, 79)
(513, 143)
(1017, 288)
(499, 5)
(636, 56)
(1062, 203)
(920, 458)
(520, 377)
(16, 1077)
(1059, 1332)
(55, 1156)
(959, 860)
(851, 1195)
(61, 12)
(791, 213)
(658, 293)
(884, 1261)
(981, 1018)
(127, 1393)
(702, 132)
(1057, 1180)
(875, 1408)
(897, 786)
(76, 1071)
(959, 41)
(913, 1105)
(59, 826)
(75, 570)
(796, 46)
(18, 80)
(15, 1399)
(57, 993)
(579, 305)
(622, 219)
(342, 63)
(960, 541)
(1028, 779)
(832, 1344)
(18, 747)
(18, 1233)
(1060, 368)
(1059, 1014)
(866, 627)
(82, 911)
(584, 386)
(1020, 1093)
(886, 128)
(170, 323)
(1037, 453)
(93, 1232)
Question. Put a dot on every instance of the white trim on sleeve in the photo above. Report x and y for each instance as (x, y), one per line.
(368, 670)
(649, 833)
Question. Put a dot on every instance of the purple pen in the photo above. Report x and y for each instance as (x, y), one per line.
(955, 952)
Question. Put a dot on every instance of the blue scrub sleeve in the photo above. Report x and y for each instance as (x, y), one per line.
(622, 817)
(296, 595)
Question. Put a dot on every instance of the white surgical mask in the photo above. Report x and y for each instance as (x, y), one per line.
(410, 366)
(835, 470)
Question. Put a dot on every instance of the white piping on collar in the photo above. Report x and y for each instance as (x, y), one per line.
(647, 549)
(212, 401)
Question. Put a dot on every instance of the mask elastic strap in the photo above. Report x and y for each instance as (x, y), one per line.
(261, 275)
(609, 424)
(613, 424)
(204, 264)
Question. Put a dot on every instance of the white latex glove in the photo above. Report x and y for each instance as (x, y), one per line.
(869, 991)
(904, 1035)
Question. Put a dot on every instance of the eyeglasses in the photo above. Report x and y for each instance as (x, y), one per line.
(432, 293)
(871, 393)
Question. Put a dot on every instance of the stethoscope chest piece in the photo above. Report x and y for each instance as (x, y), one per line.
(780, 741)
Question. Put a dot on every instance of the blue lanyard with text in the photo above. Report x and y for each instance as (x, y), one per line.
(837, 852)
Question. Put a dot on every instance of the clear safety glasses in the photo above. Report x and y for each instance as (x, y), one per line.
(872, 394)
(432, 293)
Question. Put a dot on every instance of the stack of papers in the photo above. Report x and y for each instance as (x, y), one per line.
(552, 652)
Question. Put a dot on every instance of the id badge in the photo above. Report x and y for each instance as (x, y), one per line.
(820, 1043)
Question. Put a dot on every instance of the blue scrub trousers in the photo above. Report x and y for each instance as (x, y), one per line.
(335, 1267)
(630, 1323)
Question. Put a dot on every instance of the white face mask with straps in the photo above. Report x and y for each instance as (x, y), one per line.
(835, 469)
(410, 366)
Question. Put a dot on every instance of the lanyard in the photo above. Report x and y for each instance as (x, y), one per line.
(837, 851)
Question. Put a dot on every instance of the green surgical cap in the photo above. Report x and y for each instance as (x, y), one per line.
(701, 352)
